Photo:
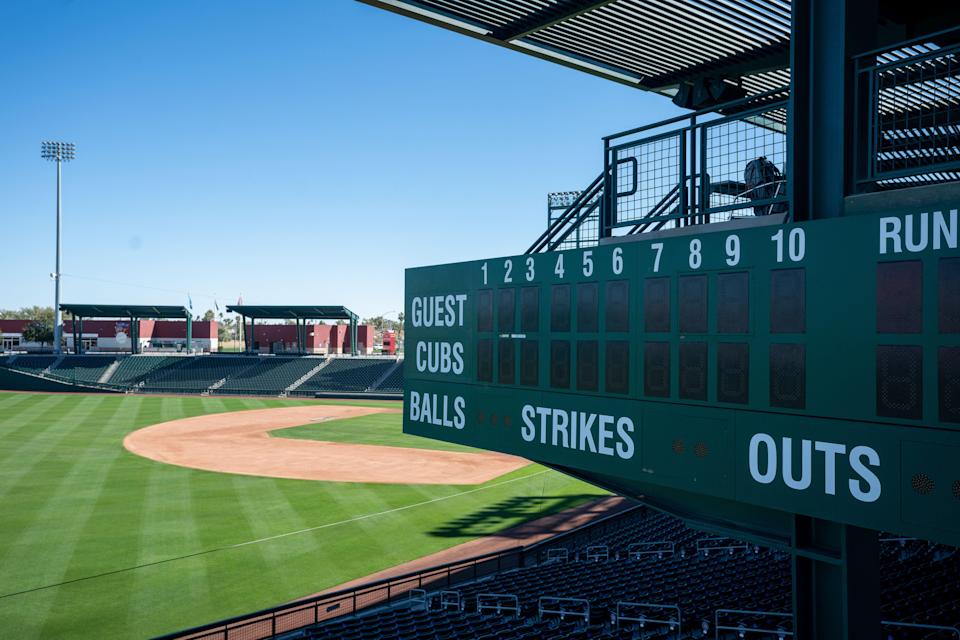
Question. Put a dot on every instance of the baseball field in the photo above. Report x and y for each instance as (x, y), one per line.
(97, 541)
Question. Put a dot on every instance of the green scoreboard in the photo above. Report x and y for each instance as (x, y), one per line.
(811, 368)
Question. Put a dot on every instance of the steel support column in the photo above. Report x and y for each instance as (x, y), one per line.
(836, 581)
(353, 336)
(78, 346)
(189, 333)
(133, 336)
(825, 36)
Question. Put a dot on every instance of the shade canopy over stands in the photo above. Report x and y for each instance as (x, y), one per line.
(300, 314)
(133, 311)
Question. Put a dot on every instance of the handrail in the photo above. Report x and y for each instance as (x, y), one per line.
(546, 238)
(758, 97)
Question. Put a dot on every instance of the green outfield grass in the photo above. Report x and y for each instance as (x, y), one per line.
(96, 542)
(382, 429)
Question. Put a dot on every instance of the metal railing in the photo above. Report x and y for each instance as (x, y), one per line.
(709, 166)
(924, 631)
(643, 613)
(909, 99)
(769, 624)
(576, 226)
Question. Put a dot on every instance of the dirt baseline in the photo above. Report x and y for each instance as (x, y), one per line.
(239, 442)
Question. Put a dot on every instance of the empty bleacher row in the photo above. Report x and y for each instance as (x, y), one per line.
(304, 376)
(353, 375)
(644, 578)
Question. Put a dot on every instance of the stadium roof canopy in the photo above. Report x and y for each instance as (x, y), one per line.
(294, 312)
(657, 45)
(125, 311)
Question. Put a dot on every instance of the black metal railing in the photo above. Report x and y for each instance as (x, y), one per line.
(269, 623)
(576, 226)
(909, 98)
(709, 166)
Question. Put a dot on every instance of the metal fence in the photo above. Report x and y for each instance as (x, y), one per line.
(710, 166)
(910, 97)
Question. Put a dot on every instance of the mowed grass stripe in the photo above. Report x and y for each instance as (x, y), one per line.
(192, 551)
(61, 490)
(54, 536)
(278, 536)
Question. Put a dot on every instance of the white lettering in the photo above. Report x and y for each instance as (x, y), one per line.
(830, 453)
(459, 404)
(943, 230)
(559, 428)
(560, 422)
(438, 311)
(771, 473)
(873, 482)
(805, 464)
(915, 247)
(625, 446)
(890, 230)
(605, 435)
(416, 311)
(414, 406)
(864, 484)
(528, 432)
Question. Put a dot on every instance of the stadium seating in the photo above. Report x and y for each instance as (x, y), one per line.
(82, 369)
(268, 375)
(32, 364)
(196, 374)
(347, 374)
(920, 585)
(393, 383)
(218, 374)
(134, 369)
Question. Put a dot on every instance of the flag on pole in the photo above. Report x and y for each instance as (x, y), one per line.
(189, 302)
(240, 299)
(216, 305)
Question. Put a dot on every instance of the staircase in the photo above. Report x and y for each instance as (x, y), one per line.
(306, 376)
(105, 378)
(53, 365)
(379, 381)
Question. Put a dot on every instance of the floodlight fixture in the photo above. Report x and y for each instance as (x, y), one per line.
(58, 151)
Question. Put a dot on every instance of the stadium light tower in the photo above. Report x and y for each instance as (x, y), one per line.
(58, 152)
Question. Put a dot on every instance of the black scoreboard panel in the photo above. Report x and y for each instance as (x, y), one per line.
(849, 322)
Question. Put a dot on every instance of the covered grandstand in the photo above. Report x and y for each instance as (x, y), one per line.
(299, 314)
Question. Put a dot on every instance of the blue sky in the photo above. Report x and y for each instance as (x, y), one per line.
(301, 152)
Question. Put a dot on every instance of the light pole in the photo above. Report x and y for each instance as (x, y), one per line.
(59, 152)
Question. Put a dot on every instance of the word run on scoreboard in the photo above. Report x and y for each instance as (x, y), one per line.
(812, 368)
